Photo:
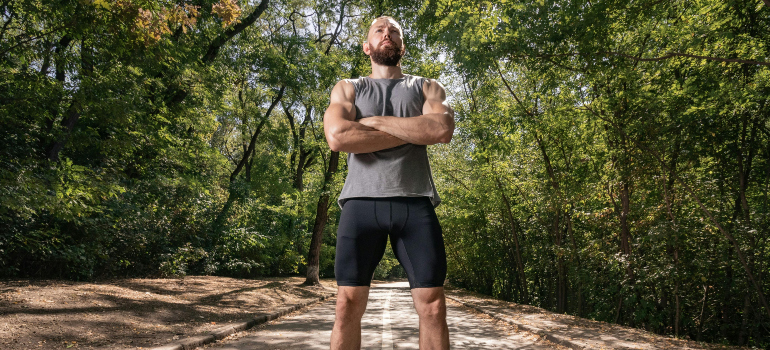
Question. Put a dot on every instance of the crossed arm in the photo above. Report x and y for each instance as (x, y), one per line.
(344, 133)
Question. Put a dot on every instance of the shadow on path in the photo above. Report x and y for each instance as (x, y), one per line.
(312, 329)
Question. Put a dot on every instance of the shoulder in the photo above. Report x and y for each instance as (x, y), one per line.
(357, 82)
(415, 80)
(428, 87)
(344, 90)
(432, 88)
(347, 83)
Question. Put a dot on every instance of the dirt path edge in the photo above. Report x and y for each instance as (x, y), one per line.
(219, 334)
(549, 336)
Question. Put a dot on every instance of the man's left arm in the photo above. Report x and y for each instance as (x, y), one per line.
(435, 125)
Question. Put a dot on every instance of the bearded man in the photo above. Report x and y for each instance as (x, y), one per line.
(384, 122)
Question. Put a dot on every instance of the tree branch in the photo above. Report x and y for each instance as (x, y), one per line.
(177, 94)
(338, 29)
(33, 38)
(511, 91)
(668, 55)
(253, 141)
(223, 38)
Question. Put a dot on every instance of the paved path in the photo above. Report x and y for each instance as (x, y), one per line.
(390, 322)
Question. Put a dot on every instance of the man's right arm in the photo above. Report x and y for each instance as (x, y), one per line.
(344, 133)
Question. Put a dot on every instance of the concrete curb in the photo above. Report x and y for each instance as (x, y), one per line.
(221, 333)
(558, 339)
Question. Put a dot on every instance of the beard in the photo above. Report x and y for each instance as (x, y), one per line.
(387, 56)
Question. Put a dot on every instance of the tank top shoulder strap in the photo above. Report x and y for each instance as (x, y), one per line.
(358, 83)
(415, 82)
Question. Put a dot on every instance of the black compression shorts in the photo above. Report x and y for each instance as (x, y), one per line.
(415, 236)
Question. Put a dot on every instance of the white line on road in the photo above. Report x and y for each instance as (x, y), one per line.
(387, 333)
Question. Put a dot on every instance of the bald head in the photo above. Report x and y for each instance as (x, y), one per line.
(383, 21)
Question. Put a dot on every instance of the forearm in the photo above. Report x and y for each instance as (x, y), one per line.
(354, 137)
(427, 129)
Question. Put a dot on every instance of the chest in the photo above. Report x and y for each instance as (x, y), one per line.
(389, 98)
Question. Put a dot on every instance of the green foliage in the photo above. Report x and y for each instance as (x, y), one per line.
(122, 136)
(610, 159)
(603, 131)
(389, 266)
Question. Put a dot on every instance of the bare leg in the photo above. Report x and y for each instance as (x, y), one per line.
(430, 304)
(351, 304)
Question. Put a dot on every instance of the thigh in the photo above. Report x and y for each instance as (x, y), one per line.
(419, 246)
(360, 244)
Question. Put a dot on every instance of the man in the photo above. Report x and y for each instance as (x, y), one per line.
(384, 122)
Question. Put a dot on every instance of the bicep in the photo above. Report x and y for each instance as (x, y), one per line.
(341, 108)
(339, 112)
(341, 103)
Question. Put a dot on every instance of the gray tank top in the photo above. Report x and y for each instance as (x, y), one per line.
(401, 171)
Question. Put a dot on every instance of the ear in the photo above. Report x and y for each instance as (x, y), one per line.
(367, 49)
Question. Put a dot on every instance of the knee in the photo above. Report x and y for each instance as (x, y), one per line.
(349, 309)
(434, 310)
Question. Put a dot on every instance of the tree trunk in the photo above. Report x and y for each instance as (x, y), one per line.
(300, 157)
(61, 72)
(322, 215)
(299, 172)
(248, 169)
(678, 309)
(68, 124)
(620, 305)
(625, 230)
(322, 209)
(744, 169)
(232, 196)
(305, 160)
(675, 249)
(576, 256)
(561, 295)
(515, 235)
(742, 340)
(702, 313)
(668, 195)
(219, 221)
(561, 292)
(625, 236)
(73, 111)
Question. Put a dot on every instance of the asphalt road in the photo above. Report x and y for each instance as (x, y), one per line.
(390, 322)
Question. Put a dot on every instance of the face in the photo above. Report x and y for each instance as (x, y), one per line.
(384, 43)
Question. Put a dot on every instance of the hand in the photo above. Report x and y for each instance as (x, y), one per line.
(371, 122)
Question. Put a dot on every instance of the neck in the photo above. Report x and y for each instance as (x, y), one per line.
(386, 72)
